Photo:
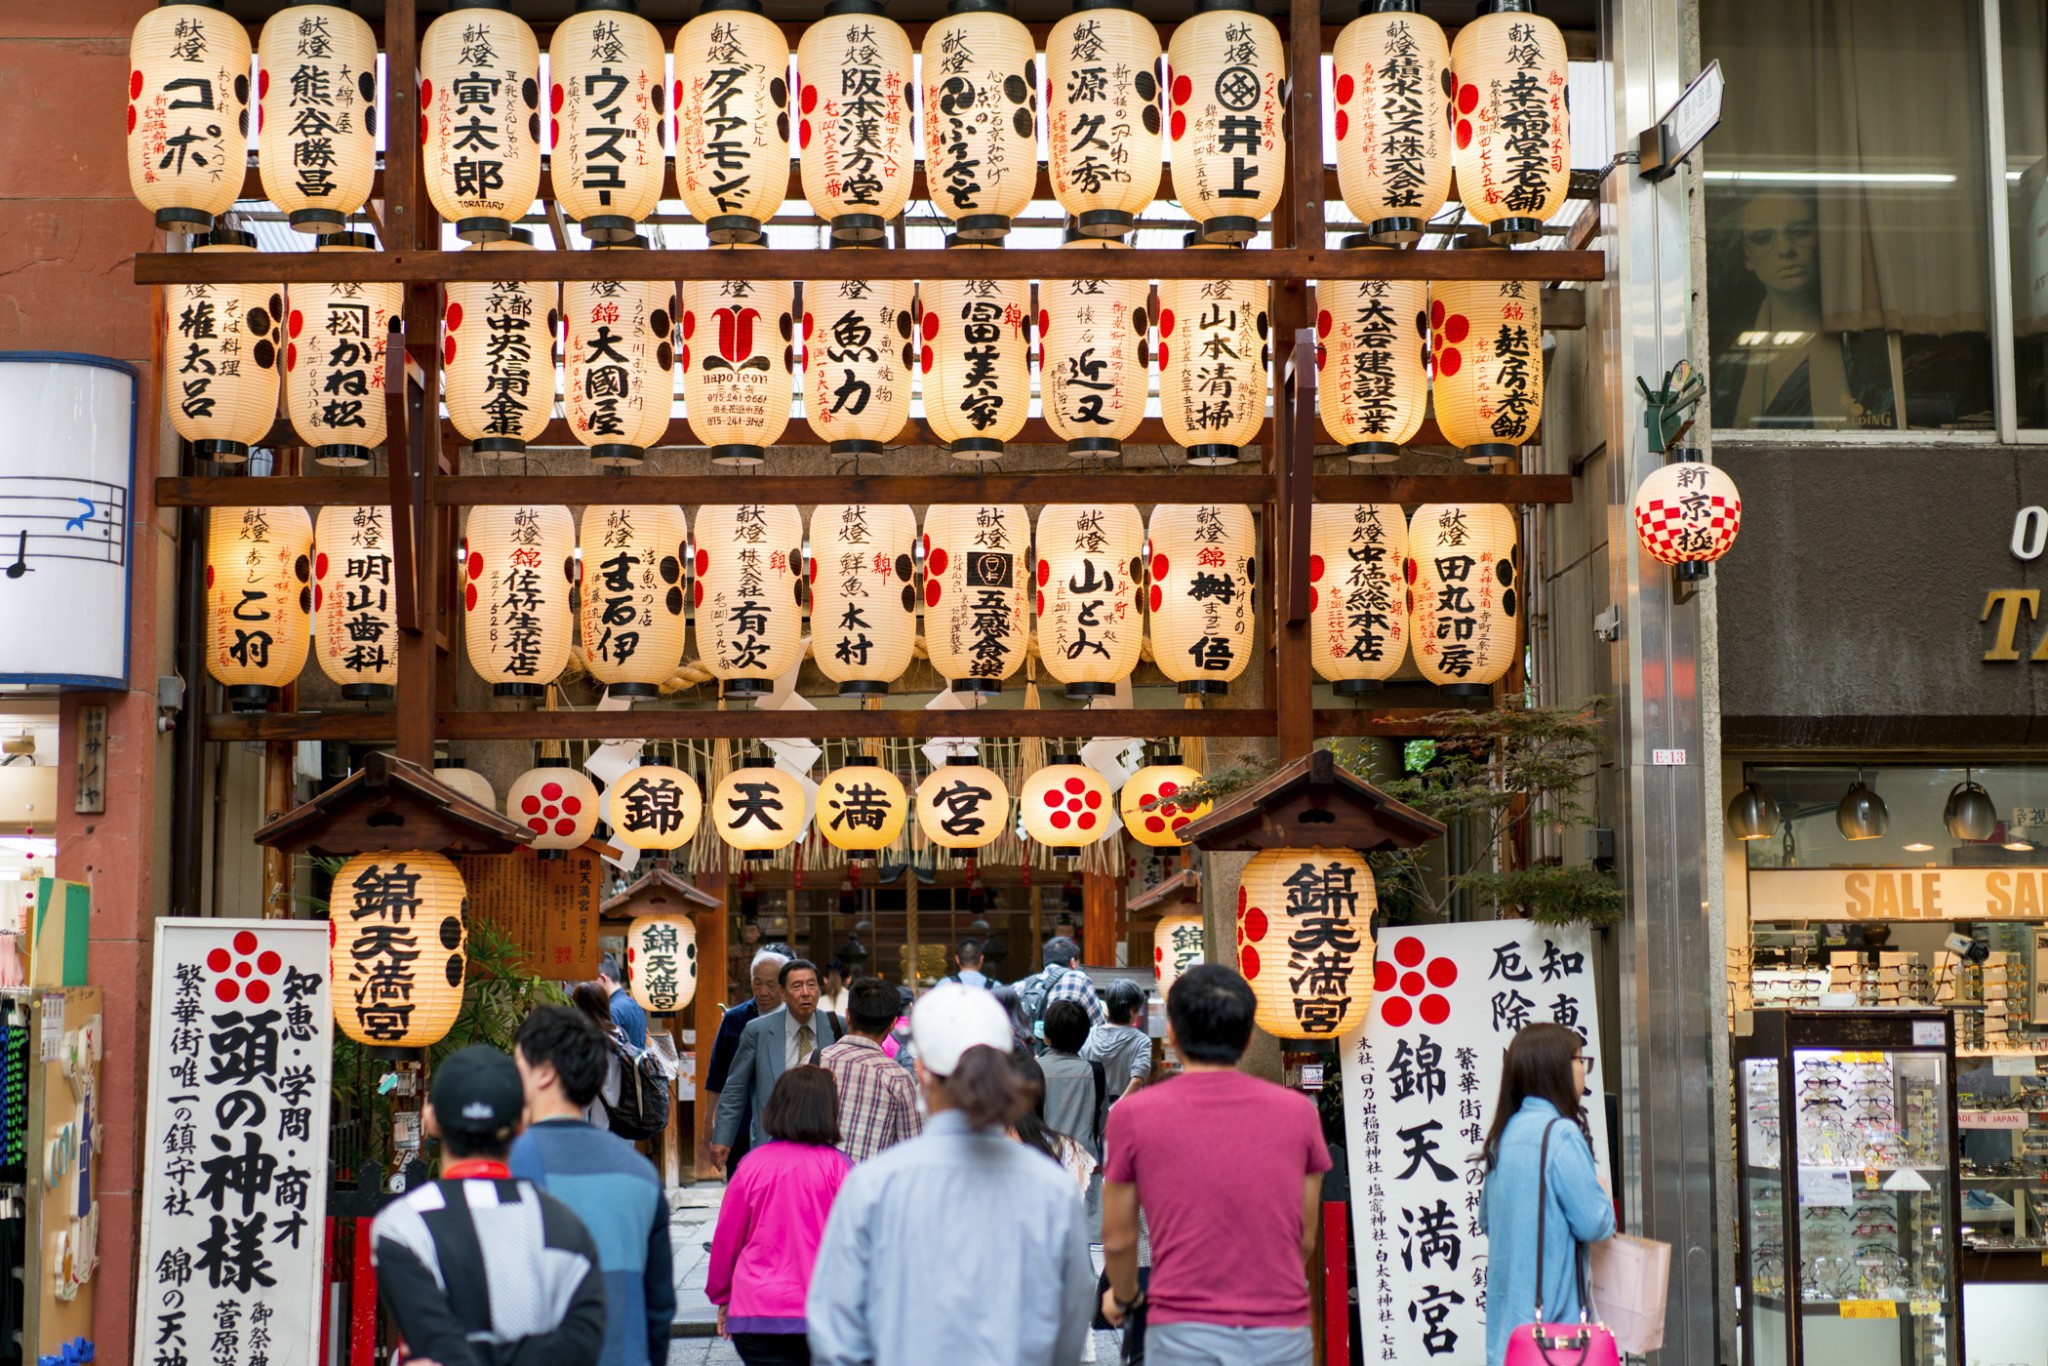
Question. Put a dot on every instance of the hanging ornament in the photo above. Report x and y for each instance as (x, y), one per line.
(977, 576)
(619, 379)
(557, 803)
(1486, 350)
(608, 70)
(749, 594)
(316, 123)
(634, 559)
(1304, 940)
(515, 595)
(1090, 563)
(963, 805)
(336, 339)
(1102, 115)
(1687, 515)
(480, 118)
(732, 119)
(1511, 119)
(259, 600)
(1467, 601)
(1358, 594)
(222, 351)
(1161, 826)
(1391, 77)
(1204, 563)
(1067, 805)
(861, 808)
(980, 113)
(661, 962)
(1224, 112)
(1372, 361)
(736, 364)
(863, 594)
(758, 809)
(976, 360)
(1092, 356)
(1212, 365)
(397, 957)
(188, 113)
(1177, 945)
(855, 87)
(498, 376)
(355, 616)
(859, 356)
(455, 774)
(654, 807)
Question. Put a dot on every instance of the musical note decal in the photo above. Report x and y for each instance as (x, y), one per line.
(52, 517)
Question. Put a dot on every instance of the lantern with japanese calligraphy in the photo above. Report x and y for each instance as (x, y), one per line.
(980, 112)
(1102, 116)
(1160, 827)
(480, 118)
(732, 118)
(1390, 78)
(855, 87)
(1304, 940)
(654, 807)
(619, 363)
(455, 774)
(1372, 364)
(1224, 140)
(1212, 365)
(859, 356)
(963, 805)
(758, 809)
(222, 354)
(1687, 516)
(259, 600)
(749, 594)
(863, 594)
(355, 615)
(1091, 357)
(1511, 119)
(1486, 351)
(397, 957)
(609, 71)
(1067, 805)
(1090, 563)
(188, 113)
(977, 586)
(516, 577)
(316, 124)
(976, 361)
(661, 962)
(737, 354)
(1466, 608)
(557, 802)
(634, 564)
(498, 356)
(861, 807)
(1204, 563)
(336, 337)
(1358, 594)
(1178, 943)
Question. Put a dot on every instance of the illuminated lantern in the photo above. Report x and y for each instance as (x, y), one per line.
(188, 113)
(223, 342)
(1358, 594)
(963, 805)
(1466, 601)
(980, 113)
(1090, 563)
(859, 356)
(619, 364)
(1393, 119)
(758, 809)
(1067, 805)
(1212, 365)
(1486, 348)
(397, 955)
(977, 586)
(336, 338)
(976, 362)
(453, 773)
(1687, 515)
(863, 594)
(316, 125)
(861, 808)
(608, 70)
(1304, 940)
(1102, 115)
(1161, 826)
(355, 616)
(749, 594)
(736, 364)
(1372, 363)
(1091, 358)
(480, 118)
(259, 600)
(556, 802)
(732, 118)
(634, 560)
(1178, 943)
(854, 139)
(498, 356)
(661, 962)
(1204, 563)
(654, 807)
(1224, 68)
(515, 596)
(1511, 119)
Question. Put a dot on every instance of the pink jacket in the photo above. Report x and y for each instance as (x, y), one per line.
(769, 1228)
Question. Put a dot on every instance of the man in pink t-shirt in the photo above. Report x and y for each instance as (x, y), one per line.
(1228, 1170)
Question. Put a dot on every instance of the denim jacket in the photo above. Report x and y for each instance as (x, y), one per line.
(1578, 1212)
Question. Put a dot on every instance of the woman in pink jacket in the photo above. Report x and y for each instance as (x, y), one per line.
(773, 1218)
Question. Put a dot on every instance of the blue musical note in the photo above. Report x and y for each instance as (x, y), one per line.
(78, 523)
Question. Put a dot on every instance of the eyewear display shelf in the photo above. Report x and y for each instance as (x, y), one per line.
(1846, 1141)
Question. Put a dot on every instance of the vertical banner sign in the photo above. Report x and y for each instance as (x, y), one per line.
(234, 1186)
(1420, 1082)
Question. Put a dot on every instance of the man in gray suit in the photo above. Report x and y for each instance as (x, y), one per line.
(770, 1046)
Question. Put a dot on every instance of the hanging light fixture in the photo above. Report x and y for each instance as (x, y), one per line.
(515, 596)
(661, 961)
(1159, 781)
(1969, 812)
(1752, 815)
(619, 363)
(259, 600)
(749, 595)
(1203, 566)
(1322, 899)
(1390, 75)
(498, 356)
(758, 809)
(977, 592)
(1177, 945)
(1067, 806)
(609, 71)
(397, 956)
(1090, 563)
(1467, 595)
(855, 88)
(859, 355)
(1486, 356)
(980, 112)
(977, 358)
(736, 363)
(557, 802)
(654, 807)
(1224, 108)
(336, 339)
(732, 119)
(962, 805)
(1511, 119)
(1372, 365)
(1862, 814)
(316, 124)
(223, 354)
(634, 567)
(188, 113)
(1358, 594)
(355, 616)
(1687, 515)
(453, 773)
(1102, 116)
(863, 594)
(1212, 365)
(861, 807)
(1092, 372)
(480, 118)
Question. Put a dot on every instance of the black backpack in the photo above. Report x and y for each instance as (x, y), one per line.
(643, 1107)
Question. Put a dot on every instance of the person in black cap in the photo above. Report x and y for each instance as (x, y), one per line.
(479, 1268)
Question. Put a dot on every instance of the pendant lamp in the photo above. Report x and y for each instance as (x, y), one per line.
(1862, 814)
(962, 805)
(1752, 815)
(355, 615)
(1304, 940)
(1067, 805)
(654, 808)
(516, 577)
(1102, 115)
(498, 352)
(1212, 364)
(188, 113)
(608, 79)
(556, 801)
(976, 360)
(1969, 813)
(661, 960)
(397, 959)
(855, 90)
(480, 118)
(454, 773)
(1093, 376)
(977, 592)
(1511, 119)
(1687, 515)
(1358, 595)
(1090, 563)
(1160, 827)
(1391, 78)
(336, 339)
(317, 116)
(863, 594)
(1204, 563)
(1486, 356)
(619, 362)
(758, 809)
(861, 807)
(1225, 65)
(732, 119)
(749, 594)
(222, 359)
(1372, 361)
(980, 112)
(736, 351)
(259, 600)
(859, 356)
(634, 560)
(1177, 945)
(1467, 608)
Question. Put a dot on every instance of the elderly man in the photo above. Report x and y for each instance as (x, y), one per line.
(769, 1046)
(767, 988)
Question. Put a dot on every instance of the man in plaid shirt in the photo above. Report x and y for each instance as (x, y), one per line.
(1062, 980)
(877, 1094)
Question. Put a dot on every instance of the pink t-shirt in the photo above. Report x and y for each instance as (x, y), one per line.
(1219, 1159)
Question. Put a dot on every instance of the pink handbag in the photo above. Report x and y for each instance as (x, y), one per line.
(1584, 1343)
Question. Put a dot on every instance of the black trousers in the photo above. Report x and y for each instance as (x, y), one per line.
(773, 1349)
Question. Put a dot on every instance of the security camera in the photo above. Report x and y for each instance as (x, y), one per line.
(1967, 947)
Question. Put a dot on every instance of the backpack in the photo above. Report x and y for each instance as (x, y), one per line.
(642, 1109)
(1101, 1090)
(1032, 993)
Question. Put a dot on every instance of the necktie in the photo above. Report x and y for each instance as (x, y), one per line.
(804, 1041)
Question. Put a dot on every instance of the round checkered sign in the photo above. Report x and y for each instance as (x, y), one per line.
(1688, 512)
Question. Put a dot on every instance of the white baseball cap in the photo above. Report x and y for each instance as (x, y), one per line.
(950, 1019)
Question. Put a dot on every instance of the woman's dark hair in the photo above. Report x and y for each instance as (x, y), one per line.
(569, 1041)
(1031, 1127)
(872, 1006)
(590, 998)
(1211, 1008)
(804, 1107)
(1539, 1063)
(1020, 1028)
(1123, 1001)
(1066, 1026)
(988, 1088)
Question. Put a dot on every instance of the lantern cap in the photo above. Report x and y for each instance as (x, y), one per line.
(1389, 7)
(625, 244)
(611, 6)
(861, 761)
(1486, 7)
(225, 237)
(1212, 6)
(977, 7)
(391, 804)
(963, 761)
(1058, 759)
(730, 6)
(195, 4)
(1080, 6)
(838, 7)
(345, 241)
(552, 761)
(454, 5)
(660, 891)
(1312, 802)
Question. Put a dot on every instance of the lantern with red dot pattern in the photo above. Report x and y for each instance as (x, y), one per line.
(1358, 594)
(1486, 351)
(749, 594)
(1067, 805)
(316, 124)
(1090, 564)
(737, 354)
(1511, 119)
(1102, 115)
(336, 336)
(863, 594)
(963, 805)
(1391, 78)
(1372, 362)
(1160, 827)
(188, 113)
(854, 85)
(732, 119)
(224, 342)
(1203, 567)
(1092, 357)
(1178, 943)
(860, 351)
(397, 990)
(480, 118)
(634, 571)
(608, 95)
(980, 111)
(619, 362)
(1687, 516)
(259, 600)
(654, 807)
(558, 803)
(1467, 612)
(977, 592)
(1224, 67)
(498, 353)
(1304, 940)
(976, 361)
(355, 610)
(516, 577)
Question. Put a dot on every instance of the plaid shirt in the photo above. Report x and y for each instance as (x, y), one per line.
(1072, 984)
(877, 1097)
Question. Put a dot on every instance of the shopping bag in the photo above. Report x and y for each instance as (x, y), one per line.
(1631, 1277)
(1585, 1343)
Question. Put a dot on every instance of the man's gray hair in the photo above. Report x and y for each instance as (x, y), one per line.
(766, 956)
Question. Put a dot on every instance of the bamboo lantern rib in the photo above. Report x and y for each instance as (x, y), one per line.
(654, 807)
(355, 612)
(977, 571)
(634, 591)
(1093, 371)
(1213, 361)
(732, 119)
(1486, 347)
(1358, 594)
(480, 120)
(758, 810)
(749, 594)
(1510, 119)
(223, 343)
(976, 362)
(661, 962)
(559, 803)
(863, 594)
(1177, 945)
(1304, 940)
(398, 956)
(1160, 827)
(188, 114)
(963, 805)
(854, 99)
(861, 807)
(619, 363)
(609, 100)
(1372, 364)
(317, 114)
(498, 351)
(1467, 595)
(1066, 805)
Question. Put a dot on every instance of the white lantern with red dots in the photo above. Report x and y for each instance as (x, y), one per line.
(661, 962)
(1467, 608)
(1687, 515)
(1160, 827)
(732, 119)
(1204, 563)
(1358, 594)
(749, 594)
(1102, 115)
(1372, 362)
(498, 356)
(736, 363)
(516, 577)
(1391, 80)
(976, 362)
(855, 89)
(608, 70)
(977, 592)
(397, 954)
(860, 352)
(1067, 805)
(355, 608)
(1178, 943)
(1304, 940)
(556, 802)
(758, 809)
(1090, 563)
(316, 118)
(619, 363)
(980, 111)
(1224, 111)
(188, 113)
(863, 594)
(1212, 365)
(1486, 352)
(259, 600)
(223, 353)
(654, 807)
(1511, 119)
(1092, 369)
(861, 808)
(963, 805)
(480, 118)
(634, 566)
(336, 338)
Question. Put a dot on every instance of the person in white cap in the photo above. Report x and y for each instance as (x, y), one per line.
(902, 1279)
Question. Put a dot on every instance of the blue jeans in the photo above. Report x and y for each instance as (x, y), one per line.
(1216, 1344)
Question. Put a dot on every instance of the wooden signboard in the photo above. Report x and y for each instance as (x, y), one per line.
(546, 906)
(65, 1128)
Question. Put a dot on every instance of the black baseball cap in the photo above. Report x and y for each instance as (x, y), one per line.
(477, 1093)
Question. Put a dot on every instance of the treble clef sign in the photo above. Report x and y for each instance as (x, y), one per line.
(20, 565)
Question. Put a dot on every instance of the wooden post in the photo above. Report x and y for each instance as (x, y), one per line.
(1098, 919)
(706, 1011)
(279, 759)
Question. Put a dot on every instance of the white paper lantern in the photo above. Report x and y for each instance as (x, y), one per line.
(1224, 112)
(609, 71)
(732, 118)
(977, 592)
(1393, 119)
(980, 113)
(1102, 115)
(854, 136)
(976, 361)
(861, 808)
(355, 612)
(1687, 515)
(1090, 563)
(555, 801)
(860, 353)
(480, 118)
(1212, 365)
(1160, 827)
(221, 357)
(520, 566)
(317, 116)
(963, 805)
(749, 594)
(1092, 367)
(1511, 119)
(654, 807)
(1467, 595)
(188, 113)
(1372, 364)
(1304, 940)
(619, 363)
(634, 563)
(1204, 563)
(337, 336)
(1178, 943)
(863, 594)
(736, 364)
(1067, 806)
(661, 961)
(455, 774)
(1358, 594)
(758, 809)
(259, 600)
(1486, 351)
(397, 955)
(498, 356)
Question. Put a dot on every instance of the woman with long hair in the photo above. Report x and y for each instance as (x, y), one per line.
(590, 998)
(1032, 1130)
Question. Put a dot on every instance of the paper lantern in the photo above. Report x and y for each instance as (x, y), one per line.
(634, 559)
(336, 338)
(397, 957)
(732, 118)
(1372, 363)
(316, 124)
(1486, 351)
(1511, 119)
(480, 118)
(859, 357)
(1204, 563)
(977, 586)
(1161, 826)
(1067, 805)
(661, 962)
(654, 807)
(861, 808)
(976, 362)
(1212, 365)
(1467, 607)
(355, 615)
(854, 93)
(498, 356)
(980, 113)
(963, 805)
(188, 113)
(221, 354)
(1178, 943)
(1687, 514)
(749, 595)
(1090, 562)
(736, 364)
(1358, 594)
(758, 809)
(863, 594)
(1304, 940)
(1224, 113)
(453, 773)
(259, 600)
(1091, 361)
(1102, 115)
(1390, 77)
(619, 371)
(556, 802)
(515, 595)
(608, 73)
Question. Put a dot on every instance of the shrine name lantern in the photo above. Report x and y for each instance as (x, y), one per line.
(758, 809)
(861, 807)
(1304, 940)
(1511, 119)
(259, 600)
(736, 363)
(749, 594)
(976, 361)
(223, 357)
(1178, 943)
(188, 113)
(980, 111)
(1092, 369)
(1467, 607)
(1486, 349)
(1067, 805)
(1687, 515)
(1160, 827)
(1389, 72)
(1224, 69)
(480, 118)
(1204, 563)
(1372, 361)
(859, 356)
(397, 958)
(661, 962)
(619, 363)
(634, 565)
(355, 610)
(316, 124)
(863, 594)
(1212, 365)
(336, 337)
(977, 592)
(498, 356)
(516, 577)
(654, 807)
(455, 774)
(1102, 115)
(963, 805)
(1090, 563)
(1358, 594)
(732, 119)
(855, 89)
(608, 73)
(557, 802)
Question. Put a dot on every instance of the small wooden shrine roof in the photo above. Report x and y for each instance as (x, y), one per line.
(389, 804)
(659, 892)
(1309, 802)
(1183, 888)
